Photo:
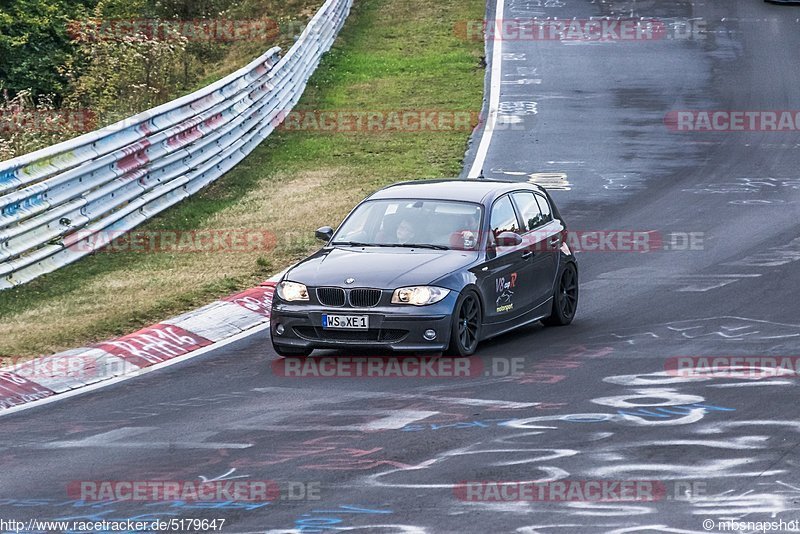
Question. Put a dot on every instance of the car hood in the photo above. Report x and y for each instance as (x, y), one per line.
(383, 268)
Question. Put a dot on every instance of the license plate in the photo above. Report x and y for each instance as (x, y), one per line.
(346, 322)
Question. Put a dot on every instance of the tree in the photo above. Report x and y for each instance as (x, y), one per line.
(34, 43)
(119, 73)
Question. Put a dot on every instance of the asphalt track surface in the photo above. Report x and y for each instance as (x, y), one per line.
(593, 401)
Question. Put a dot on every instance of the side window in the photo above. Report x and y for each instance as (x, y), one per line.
(547, 213)
(529, 209)
(504, 218)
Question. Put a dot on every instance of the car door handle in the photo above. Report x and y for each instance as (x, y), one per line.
(554, 241)
(527, 254)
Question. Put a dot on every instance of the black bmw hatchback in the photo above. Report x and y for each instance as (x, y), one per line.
(435, 265)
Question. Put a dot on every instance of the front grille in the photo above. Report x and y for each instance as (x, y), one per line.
(364, 298)
(331, 296)
(392, 335)
(386, 335)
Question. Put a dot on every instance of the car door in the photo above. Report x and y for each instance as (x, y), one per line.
(502, 276)
(554, 232)
(542, 240)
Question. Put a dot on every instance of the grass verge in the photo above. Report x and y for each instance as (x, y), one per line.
(391, 55)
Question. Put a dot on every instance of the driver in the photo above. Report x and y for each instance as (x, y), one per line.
(406, 232)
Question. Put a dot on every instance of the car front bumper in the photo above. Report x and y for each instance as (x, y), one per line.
(398, 328)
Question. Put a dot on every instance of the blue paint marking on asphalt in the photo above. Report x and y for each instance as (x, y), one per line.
(662, 412)
(666, 412)
(308, 523)
(223, 505)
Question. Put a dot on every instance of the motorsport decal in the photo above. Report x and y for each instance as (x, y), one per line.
(503, 289)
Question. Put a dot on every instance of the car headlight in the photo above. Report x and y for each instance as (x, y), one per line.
(292, 291)
(419, 295)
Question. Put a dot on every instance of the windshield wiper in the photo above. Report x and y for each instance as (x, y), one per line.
(405, 245)
(358, 244)
(421, 245)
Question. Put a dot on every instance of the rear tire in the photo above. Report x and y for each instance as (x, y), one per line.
(565, 298)
(465, 330)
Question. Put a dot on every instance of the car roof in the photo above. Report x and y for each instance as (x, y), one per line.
(482, 191)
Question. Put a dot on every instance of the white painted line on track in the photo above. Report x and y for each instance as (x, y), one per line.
(508, 405)
(494, 98)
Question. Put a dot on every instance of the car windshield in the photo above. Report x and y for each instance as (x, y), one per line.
(436, 224)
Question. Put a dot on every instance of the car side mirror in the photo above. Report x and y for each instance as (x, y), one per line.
(509, 239)
(324, 234)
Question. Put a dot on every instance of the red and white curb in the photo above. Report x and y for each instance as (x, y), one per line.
(75, 371)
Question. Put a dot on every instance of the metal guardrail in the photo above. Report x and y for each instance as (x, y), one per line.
(63, 202)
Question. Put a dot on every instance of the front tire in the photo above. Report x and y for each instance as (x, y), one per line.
(465, 330)
(565, 298)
